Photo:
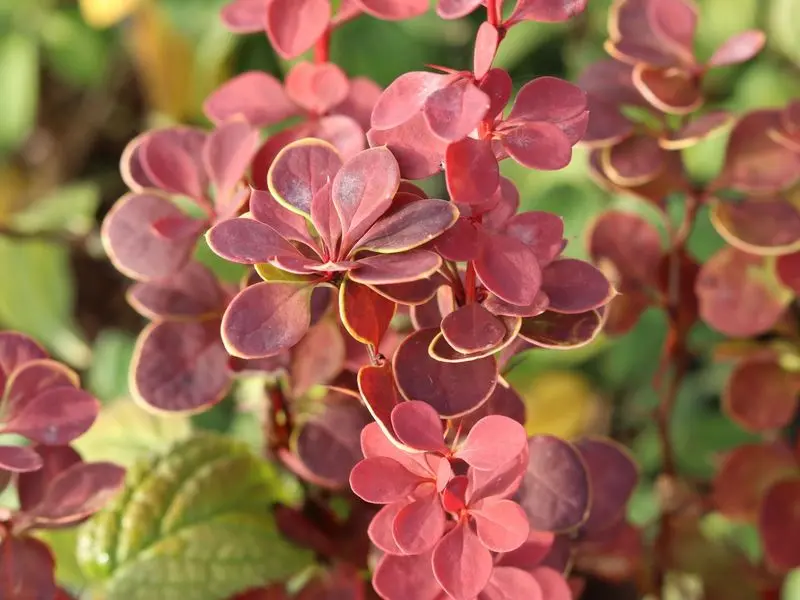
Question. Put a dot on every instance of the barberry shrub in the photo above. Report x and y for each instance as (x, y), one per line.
(407, 311)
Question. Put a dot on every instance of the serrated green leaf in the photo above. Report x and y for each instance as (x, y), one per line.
(70, 208)
(192, 523)
(107, 378)
(19, 78)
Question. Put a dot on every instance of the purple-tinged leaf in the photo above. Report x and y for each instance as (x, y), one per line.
(455, 110)
(779, 524)
(560, 331)
(501, 524)
(471, 171)
(481, 449)
(412, 293)
(382, 480)
(546, 11)
(27, 569)
(384, 269)
(673, 91)
(575, 286)
(697, 130)
(265, 319)
(634, 161)
(761, 395)
(738, 48)
(19, 459)
(33, 378)
(441, 350)
(32, 486)
(380, 528)
(316, 88)
(288, 224)
(326, 221)
(406, 577)
(461, 564)
(172, 160)
(507, 582)
(329, 443)
(300, 170)
(531, 553)
(244, 16)
(76, 493)
(247, 241)
(501, 308)
(766, 225)
(227, 155)
(502, 482)
(192, 292)
(418, 425)
(405, 97)
(134, 246)
(362, 191)
(538, 145)
(180, 366)
(461, 242)
(365, 314)
(130, 165)
(509, 269)
(411, 226)
(555, 491)
(418, 151)
(317, 358)
(254, 95)
(541, 231)
(472, 328)
(55, 416)
(613, 476)
(420, 524)
(453, 389)
(673, 23)
(548, 99)
(293, 26)
(503, 401)
(552, 583)
(394, 10)
(15, 350)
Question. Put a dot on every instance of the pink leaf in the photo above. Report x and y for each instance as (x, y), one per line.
(362, 191)
(418, 425)
(316, 87)
(376, 443)
(472, 328)
(300, 170)
(362, 95)
(293, 26)
(541, 231)
(420, 524)
(531, 553)
(265, 319)
(179, 228)
(486, 43)
(401, 577)
(455, 9)
(509, 269)
(382, 480)
(56, 416)
(409, 227)
(461, 564)
(738, 48)
(471, 171)
(552, 583)
(396, 268)
(404, 97)
(538, 145)
(498, 86)
(380, 528)
(481, 449)
(288, 224)
(546, 11)
(418, 151)
(394, 10)
(507, 583)
(227, 155)
(247, 241)
(673, 23)
(254, 95)
(19, 459)
(244, 16)
(501, 524)
(455, 110)
(498, 483)
(346, 135)
(171, 159)
(547, 99)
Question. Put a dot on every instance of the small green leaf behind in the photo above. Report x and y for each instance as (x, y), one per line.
(192, 523)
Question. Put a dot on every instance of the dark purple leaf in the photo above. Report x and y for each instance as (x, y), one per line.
(509, 269)
(384, 269)
(32, 486)
(561, 331)
(575, 286)
(411, 226)
(19, 459)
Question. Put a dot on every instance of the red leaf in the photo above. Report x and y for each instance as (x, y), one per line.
(497, 483)
(362, 191)
(575, 286)
(481, 449)
(406, 577)
(380, 394)
(19, 459)
(486, 42)
(172, 160)
(265, 319)
(503, 401)
(547, 99)
(509, 269)
(244, 16)
(380, 528)
(471, 171)
(382, 480)
(134, 247)
(375, 443)
(766, 226)
(455, 110)
(472, 328)
(462, 242)
(634, 161)
(498, 86)
(779, 524)
(362, 95)
(420, 524)
(453, 389)
(227, 155)
(507, 582)
(541, 231)
(418, 151)
(405, 97)
(192, 292)
(396, 268)
(293, 26)
(502, 308)
(501, 524)
(56, 416)
(670, 90)
(16, 349)
(288, 224)
(76, 493)
(411, 226)
(561, 331)
(788, 269)
(538, 145)
(300, 170)
(247, 241)
(394, 10)
(417, 425)
(180, 366)
(555, 490)
(546, 11)
(365, 314)
(32, 486)
(33, 378)
(461, 564)
(318, 358)
(316, 87)
(760, 395)
(26, 569)
(254, 95)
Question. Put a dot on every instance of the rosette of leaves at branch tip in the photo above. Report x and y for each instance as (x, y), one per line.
(40, 400)
(334, 108)
(194, 522)
(63, 492)
(147, 234)
(324, 222)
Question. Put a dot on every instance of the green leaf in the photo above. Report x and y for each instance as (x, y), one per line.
(71, 208)
(36, 297)
(19, 78)
(108, 374)
(192, 523)
(62, 544)
(782, 32)
(77, 52)
(791, 586)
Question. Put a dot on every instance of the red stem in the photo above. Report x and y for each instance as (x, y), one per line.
(493, 12)
(471, 282)
(322, 49)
